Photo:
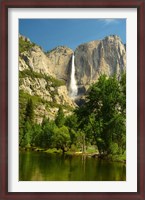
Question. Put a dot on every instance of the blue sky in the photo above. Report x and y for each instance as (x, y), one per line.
(50, 33)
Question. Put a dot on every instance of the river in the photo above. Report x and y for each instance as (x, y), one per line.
(40, 166)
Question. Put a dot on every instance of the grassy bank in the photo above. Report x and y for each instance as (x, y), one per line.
(90, 153)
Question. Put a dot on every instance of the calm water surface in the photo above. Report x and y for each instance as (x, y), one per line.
(38, 166)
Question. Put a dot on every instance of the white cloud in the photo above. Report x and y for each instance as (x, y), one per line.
(109, 21)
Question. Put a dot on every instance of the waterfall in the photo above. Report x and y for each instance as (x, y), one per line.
(73, 86)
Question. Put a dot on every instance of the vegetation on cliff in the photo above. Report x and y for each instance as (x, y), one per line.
(24, 44)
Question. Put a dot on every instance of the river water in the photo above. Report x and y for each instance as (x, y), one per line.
(38, 166)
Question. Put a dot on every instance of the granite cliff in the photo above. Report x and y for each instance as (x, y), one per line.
(107, 56)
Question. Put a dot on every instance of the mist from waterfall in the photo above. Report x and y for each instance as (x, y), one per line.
(73, 86)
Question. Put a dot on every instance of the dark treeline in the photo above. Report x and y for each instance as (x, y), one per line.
(100, 121)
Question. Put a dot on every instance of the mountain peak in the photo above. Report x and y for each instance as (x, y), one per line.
(114, 37)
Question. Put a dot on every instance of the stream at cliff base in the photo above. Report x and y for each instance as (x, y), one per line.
(39, 166)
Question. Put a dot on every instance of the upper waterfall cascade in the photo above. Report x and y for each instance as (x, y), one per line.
(73, 86)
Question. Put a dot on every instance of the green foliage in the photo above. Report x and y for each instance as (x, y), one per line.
(45, 139)
(99, 123)
(91, 149)
(55, 82)
(53, 150)
(24, 45)
(71, 122)
(26, 137)
(100, 144)
(113, 148)
(36, 134)
(103, 116)
(51, 81)
(23, 98)
(26, 123)
(61, 138)
(23, 101)
(73, 148)
(60, 118)
(29, 112)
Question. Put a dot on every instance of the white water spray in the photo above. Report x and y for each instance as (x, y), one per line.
(73, 85)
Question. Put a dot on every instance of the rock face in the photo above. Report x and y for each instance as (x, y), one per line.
(50, 97)
(47, 75)
(56, 63)
(92, 59)
(40, 77)
(60, 59)
(35, 60)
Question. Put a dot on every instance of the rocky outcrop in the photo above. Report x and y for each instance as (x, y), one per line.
(56, 63)
(44, 89)
(50, 96)
(107, 56)
(60, 59)
(36, 60)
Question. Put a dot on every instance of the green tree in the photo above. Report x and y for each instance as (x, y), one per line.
(60, 120)
(36, 134)
(61, 138)
(71, 124)
(103, 114)
(26, 123)
(123, 94)
(27, 135)
(45, 121)
(45, 138)
(29, 112)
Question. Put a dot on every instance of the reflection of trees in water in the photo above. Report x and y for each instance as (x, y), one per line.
(25, 164)
(37, 175)
(84, 162)
(44, 167)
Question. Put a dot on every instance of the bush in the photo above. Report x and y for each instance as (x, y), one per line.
(73, 148)
(113, 148)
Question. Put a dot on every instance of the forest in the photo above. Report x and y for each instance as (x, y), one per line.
(98, 126)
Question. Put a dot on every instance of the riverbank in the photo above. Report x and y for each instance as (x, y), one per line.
(93, 154)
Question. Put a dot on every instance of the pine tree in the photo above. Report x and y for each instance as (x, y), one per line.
(26, 130)
(29, 112)
(60, 118)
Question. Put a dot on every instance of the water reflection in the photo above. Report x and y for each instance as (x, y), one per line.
(37, 166)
